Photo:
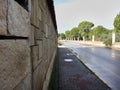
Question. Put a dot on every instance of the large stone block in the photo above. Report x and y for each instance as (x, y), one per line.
(3, 17)
(38, 34)
(40, 13)
(14, 63)
(44, 48)
(39, 75)
(18, 19)
(40, 43)
(37, 83)
(32, 36)
(42, 4)
(26, 84)
(35, 56)
(41, 28)
(49, 72)
(35, 13)
(49, 54)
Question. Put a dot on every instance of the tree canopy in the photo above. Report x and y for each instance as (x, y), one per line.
(61, 36)
(75, 32)
(98, 31)
(68, 34)
(117, 22)
(85, 27)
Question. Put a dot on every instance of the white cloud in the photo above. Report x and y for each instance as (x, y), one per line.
(100, 12)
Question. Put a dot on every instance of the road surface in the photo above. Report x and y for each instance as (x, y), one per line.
(104, 62)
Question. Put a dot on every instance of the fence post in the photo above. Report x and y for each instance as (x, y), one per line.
(93, 38)
(113, 37)
(83, 38)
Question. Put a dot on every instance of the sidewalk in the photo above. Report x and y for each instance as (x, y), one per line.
(73, 75)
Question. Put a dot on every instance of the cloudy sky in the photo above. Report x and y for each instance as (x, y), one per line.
(69, 13)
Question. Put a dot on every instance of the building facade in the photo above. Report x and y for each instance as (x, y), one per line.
(28, 43)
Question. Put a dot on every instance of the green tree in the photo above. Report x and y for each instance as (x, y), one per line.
(107, 39)
(98, 32)
(117, 23)
(85, 27)
(75, 32)
(61, 36)
(68, 34)
(117, 37)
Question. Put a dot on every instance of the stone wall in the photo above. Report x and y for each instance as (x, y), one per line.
(28, 43)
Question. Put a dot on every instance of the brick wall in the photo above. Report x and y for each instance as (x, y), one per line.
(28, 42)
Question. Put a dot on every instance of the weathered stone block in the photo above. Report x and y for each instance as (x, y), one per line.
(35, 56)
(48, 73)
(32, 36)
(18, 19)
(37, 85)
(25, 84)
(40, 13)
(40, 73)
(35, 13)
(42, 4)
(48, 18)
(38, 34)
(41, 28)
(49, 51)
(44, 48)
(14, 63)
(3, 17)
(40, 43)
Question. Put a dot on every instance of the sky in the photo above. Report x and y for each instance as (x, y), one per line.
(69, 13)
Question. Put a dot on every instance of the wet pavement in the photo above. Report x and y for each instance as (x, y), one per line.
(74, 75)
(104, 62)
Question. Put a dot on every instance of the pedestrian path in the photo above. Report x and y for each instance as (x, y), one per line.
(73, 75)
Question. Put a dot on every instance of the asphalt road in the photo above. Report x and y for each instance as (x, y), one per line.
(104, 62)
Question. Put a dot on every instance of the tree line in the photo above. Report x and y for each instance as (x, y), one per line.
(85, 30)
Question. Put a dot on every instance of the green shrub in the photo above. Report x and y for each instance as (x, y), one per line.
(117, 37)
(107, 39)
